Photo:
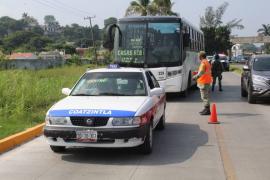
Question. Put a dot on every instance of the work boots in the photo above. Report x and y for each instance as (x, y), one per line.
(220, 87)
(206, 111)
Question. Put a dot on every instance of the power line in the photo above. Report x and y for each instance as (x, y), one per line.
(52, 7)
(64, 7)
(73, 8)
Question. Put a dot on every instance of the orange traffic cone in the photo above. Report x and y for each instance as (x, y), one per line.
(213, 118)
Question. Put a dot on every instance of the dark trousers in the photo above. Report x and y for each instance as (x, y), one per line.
(219, 81)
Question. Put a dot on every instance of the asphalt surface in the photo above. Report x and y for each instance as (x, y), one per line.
(189, 148)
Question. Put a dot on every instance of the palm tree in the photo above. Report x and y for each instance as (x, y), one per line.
(265, 30)
(213, 18)
(146, 7)
(164, 7)
(140, 7)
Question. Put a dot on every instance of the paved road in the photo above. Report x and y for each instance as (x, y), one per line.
(189, 148)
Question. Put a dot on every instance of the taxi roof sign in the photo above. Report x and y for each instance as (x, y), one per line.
(113, 66)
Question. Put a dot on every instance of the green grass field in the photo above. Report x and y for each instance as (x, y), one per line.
(26, 95)
(236, 69)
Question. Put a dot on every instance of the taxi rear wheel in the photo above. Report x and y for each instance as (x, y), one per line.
(147, 146)
(58, 149)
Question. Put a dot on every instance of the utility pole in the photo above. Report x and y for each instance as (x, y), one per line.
(92, 33)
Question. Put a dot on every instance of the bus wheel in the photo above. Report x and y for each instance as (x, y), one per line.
(185, 92)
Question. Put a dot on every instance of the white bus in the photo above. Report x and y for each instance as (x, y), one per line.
(167, 45)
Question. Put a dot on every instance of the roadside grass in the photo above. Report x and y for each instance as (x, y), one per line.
(236, 69)
(26, 95)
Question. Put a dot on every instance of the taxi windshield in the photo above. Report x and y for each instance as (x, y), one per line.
(110, 84)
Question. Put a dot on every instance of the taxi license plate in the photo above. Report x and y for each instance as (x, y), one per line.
(86, 136)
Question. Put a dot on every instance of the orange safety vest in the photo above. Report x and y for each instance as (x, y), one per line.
(206, 78)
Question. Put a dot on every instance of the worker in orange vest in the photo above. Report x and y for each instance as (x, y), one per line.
(204, 80)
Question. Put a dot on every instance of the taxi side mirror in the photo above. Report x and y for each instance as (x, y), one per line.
(157, 91)
(66, 91)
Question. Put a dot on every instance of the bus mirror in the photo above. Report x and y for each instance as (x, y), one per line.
(109, 37)
(186, 39)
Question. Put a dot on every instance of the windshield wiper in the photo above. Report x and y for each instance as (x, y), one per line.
(113, 94)
(81, 95)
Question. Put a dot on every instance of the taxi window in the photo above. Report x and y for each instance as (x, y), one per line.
(149, 80)
(156, 84)
(110, 84)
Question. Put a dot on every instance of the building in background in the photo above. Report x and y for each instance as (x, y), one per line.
(23, 56)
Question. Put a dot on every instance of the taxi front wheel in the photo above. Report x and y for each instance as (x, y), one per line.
(58, 149)
(161, 123)
(147, 146)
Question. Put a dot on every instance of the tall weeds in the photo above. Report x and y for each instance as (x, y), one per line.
(26, 95)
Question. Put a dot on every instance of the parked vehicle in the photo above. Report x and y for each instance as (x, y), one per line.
(255, 79)
(209, 58)
(225, 61)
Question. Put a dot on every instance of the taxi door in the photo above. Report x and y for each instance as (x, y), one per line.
(158, 105)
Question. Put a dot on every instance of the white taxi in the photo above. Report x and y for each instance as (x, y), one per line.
(108, 108)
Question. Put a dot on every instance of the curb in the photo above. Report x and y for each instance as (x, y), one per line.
(19, 138)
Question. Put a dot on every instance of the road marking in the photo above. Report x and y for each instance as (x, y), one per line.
(225, 156)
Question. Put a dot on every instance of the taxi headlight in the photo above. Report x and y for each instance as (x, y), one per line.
(56, 120)
(128, 121)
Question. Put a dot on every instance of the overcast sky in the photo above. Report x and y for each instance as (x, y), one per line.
(253, 12)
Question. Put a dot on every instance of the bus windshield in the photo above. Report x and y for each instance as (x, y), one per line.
(152, 44)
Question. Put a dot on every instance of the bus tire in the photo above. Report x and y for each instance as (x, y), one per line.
(186, 92)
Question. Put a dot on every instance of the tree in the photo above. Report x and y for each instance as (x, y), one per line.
(266, 48)
(249, 47)
(146, 7)
(213, 18)
(26, 35)
(265, 30)
(2, 56)
(49, 19)
(9, 25)
(52, 27)
(38, 43)
(29, 21)
(17, 39)
(163, 7)
(216, 33)
(217, 39)
(140, 7)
